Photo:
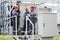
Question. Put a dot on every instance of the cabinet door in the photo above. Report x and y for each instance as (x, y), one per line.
(49, 24)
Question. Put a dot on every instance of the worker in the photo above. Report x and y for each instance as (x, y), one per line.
(15, 12)
(33, 16)
(27, 13)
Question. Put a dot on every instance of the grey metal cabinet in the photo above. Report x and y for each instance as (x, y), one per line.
(47, 24)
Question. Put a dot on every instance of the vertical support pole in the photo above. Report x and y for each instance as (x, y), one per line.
(40, 38)
(16, 27)
(32, 31)
(26, 27)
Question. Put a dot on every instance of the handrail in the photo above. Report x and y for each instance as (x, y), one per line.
(31, 23)
(27, 18)
(16, 22)
(11, 17)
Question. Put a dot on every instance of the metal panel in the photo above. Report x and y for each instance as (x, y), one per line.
(47, 24)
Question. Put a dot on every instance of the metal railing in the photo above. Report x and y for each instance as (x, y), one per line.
(16, 24)
(27, 18)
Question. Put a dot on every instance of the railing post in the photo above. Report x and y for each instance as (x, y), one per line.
(26, 27)
(16, 28)
(32, 37)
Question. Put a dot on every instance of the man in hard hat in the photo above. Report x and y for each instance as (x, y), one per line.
(27, 13)
(15, 12)
(33, 16)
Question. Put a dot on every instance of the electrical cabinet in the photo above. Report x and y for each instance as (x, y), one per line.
(47, 24)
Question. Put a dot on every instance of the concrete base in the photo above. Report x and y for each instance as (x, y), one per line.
(47, 38)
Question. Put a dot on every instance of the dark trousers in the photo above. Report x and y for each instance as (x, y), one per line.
(31, 28)
(13, 23)
(28, 26)
(34, 20)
